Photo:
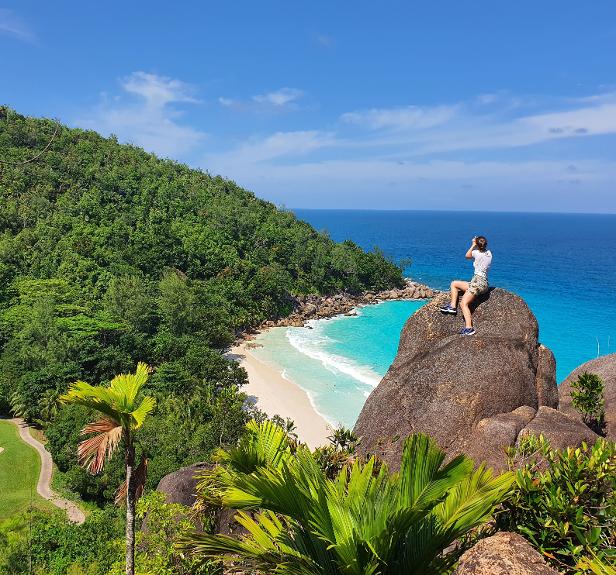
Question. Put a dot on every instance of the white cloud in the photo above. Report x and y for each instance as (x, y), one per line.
(404, 118)
(150, 120)
(12, 25)
(272, 147)
(279, 98)
(156, 90)
(285, 98)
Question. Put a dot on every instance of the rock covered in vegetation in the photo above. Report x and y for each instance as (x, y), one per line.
(503, 554)
(444, 384)
(605, 368)
(317, 307)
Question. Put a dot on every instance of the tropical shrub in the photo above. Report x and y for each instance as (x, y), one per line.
(364, 521)
(564, 502)
(156, 554)
(45, 543)
(587, 397)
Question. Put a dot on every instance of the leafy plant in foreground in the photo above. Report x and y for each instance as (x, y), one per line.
(564, 502)
(122, 416)
(363, 522)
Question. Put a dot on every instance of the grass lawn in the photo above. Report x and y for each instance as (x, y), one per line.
(19, 471)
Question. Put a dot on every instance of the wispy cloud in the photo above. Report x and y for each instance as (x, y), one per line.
(424, 147)
(149, 117)
(282, 97)
(12, 25)
(404, 118)
(275, 100)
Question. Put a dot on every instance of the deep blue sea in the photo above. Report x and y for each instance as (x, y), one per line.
(563, 265)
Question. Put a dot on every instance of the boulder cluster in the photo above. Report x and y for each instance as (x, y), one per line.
(318, 307)
(475, 395)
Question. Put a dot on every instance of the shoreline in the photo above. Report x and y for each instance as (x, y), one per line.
(275, 395)
(309, 307)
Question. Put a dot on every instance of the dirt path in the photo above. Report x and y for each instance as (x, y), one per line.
(75, 514)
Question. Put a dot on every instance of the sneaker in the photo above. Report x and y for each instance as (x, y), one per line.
(467, 331)
(449, 309)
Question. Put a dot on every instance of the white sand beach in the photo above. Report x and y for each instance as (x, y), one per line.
(276, 395)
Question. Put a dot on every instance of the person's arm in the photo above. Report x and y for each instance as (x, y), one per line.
(469, 253)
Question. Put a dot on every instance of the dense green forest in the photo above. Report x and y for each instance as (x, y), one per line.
(110, 255)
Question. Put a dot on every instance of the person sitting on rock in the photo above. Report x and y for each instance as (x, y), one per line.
(477, 286)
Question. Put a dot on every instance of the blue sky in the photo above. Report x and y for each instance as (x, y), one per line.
(470, 104)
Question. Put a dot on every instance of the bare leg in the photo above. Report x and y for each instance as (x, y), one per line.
(456, 286)
(467, 298)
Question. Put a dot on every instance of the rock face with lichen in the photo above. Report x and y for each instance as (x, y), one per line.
(503, 554)
(473, 395)
(605, 368)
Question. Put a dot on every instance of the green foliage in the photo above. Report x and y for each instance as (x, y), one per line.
(51, 545)
(361, 522)
(564, 502)
(163, 523)
(587, 398)
(110, 256)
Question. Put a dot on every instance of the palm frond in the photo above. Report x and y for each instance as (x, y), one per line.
(140, 477)
(422, 479)
(94, 451)
(147, 406)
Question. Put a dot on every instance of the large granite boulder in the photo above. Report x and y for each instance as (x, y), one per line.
(605, 368)
(503, 554)
(444, 384)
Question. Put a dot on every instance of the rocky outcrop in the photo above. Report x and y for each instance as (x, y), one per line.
(317, 307)
(605, 368)
(463, 391)
(503, 554)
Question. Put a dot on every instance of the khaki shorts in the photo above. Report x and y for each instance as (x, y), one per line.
(478, 285)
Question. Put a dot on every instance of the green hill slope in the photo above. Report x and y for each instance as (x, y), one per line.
(110, 255)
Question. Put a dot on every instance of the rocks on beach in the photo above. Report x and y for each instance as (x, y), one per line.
(319, 307)
(473, 395)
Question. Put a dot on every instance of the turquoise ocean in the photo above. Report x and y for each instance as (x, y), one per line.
(563, 265)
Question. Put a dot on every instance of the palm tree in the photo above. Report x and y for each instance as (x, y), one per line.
(365, 521)
(121, 418)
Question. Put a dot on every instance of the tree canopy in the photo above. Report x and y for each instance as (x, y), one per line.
(110, 256)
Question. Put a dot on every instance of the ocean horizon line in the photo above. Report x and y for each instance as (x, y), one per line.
(433, 211)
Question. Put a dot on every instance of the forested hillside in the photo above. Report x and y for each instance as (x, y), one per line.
(110, 255)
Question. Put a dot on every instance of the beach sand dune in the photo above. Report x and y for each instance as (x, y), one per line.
(276, 395)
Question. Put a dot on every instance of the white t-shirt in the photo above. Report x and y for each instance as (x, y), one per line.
(482, 263)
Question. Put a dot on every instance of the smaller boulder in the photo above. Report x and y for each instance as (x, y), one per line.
(181, 485)
(493, 435)
(559, 429)
(503, 554)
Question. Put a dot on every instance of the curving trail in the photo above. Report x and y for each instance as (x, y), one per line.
(43, 487)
